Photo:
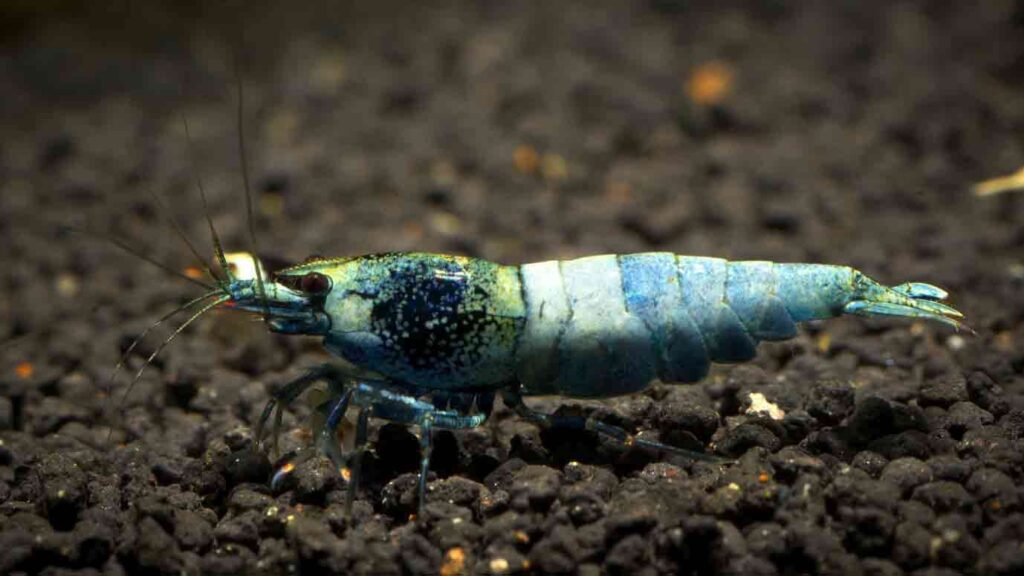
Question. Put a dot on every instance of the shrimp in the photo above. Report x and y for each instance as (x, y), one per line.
(457, 331)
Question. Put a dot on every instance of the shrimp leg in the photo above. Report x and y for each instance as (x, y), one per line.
(326, 442)
(327, 438)
(357, 459)
(426, 424)
(397, 407)
(287, 394)
(426, 420)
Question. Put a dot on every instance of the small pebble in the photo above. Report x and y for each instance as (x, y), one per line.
(906, 474)
(964, 416)
(944, 391)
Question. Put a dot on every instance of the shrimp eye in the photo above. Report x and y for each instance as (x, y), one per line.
(314, 283)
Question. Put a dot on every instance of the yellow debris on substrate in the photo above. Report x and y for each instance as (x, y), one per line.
(759, 404)
(454, 562)
(1001, 184)
(709, 83)
(552, 167)
(526, 159)
(67, 285)
(499, 566)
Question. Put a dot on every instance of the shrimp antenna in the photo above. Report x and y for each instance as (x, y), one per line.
(134, 252)
(138, 339)
(149, 360)
(142, 336)
(242, 157)
(218, 248)
(184, 237)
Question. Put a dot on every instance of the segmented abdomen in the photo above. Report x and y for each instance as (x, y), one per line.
(608, 324)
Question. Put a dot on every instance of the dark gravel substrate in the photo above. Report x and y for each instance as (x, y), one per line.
(851, 134)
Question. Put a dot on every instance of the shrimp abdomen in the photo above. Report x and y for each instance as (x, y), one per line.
(608, 325)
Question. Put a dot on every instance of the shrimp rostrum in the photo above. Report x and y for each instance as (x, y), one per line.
(436, 337)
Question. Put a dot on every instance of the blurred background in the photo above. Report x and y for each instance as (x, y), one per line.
(845, 132)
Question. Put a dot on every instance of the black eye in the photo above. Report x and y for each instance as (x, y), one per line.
(315, 283)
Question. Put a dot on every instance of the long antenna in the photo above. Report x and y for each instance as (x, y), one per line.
(184, 237)
(138, 339)
(149, 360)
(134, 252)
(142, 336)
(218, 248)
(261, 289)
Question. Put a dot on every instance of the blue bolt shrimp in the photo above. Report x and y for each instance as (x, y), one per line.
(435, 337)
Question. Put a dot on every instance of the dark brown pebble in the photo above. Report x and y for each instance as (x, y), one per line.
(949, 467)
(944, 496)
(631, 555)
(868, 530)
(906, 474)
(944, 391)
(911, 545)
(557, 553)
(746, 436)
(313, 478)
(964, 416)
(534, 487)
(881, 567)
(871, 462)
(228, 560)
(682, 414)
(241, 529)
(988, 395)
(911, 443)
(791, 461)
(872, 418)
(831, 401)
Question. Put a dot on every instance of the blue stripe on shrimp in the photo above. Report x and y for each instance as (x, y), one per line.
(650, 284)
(814, 292)
(752, 293)
(702, 281)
